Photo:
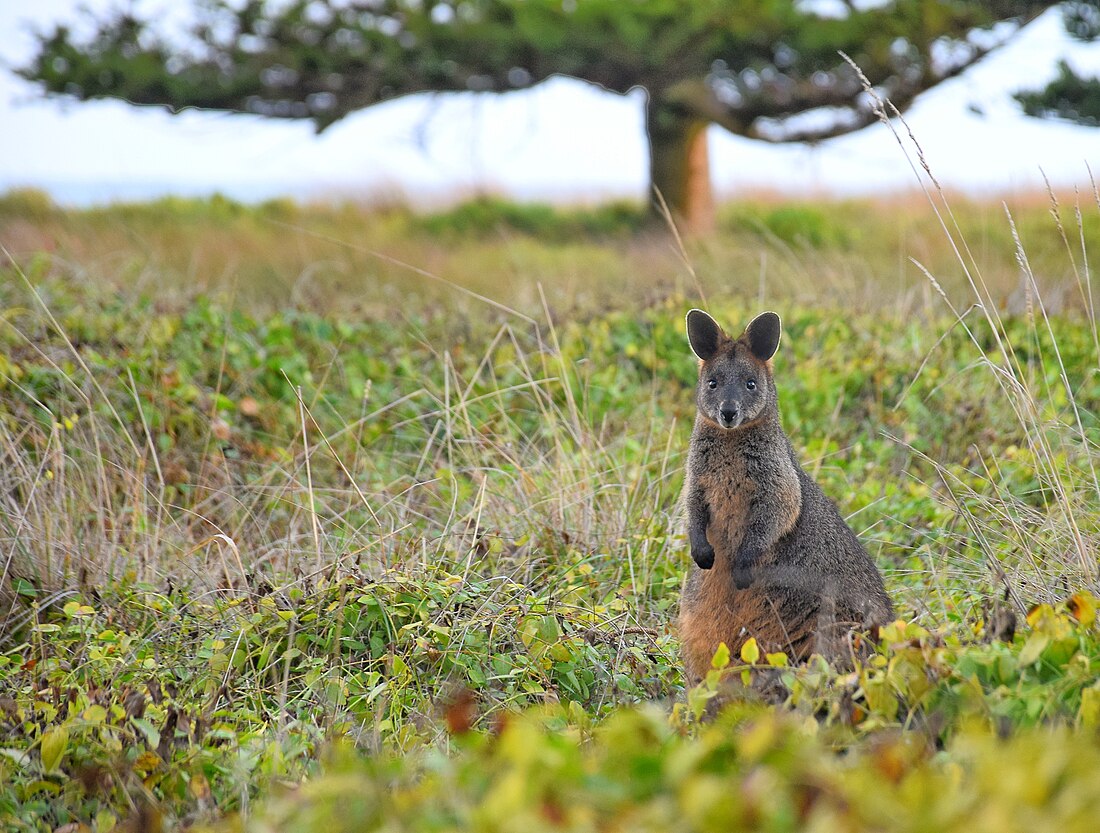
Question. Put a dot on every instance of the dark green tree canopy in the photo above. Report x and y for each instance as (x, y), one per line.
(755, 67)
(1070, 96)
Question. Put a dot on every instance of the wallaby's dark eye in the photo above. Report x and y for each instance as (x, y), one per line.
(751, 384)
(712, 384)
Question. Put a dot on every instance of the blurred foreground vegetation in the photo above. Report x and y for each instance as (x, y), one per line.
(278, 507)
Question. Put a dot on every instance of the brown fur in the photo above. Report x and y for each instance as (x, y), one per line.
(774, 559)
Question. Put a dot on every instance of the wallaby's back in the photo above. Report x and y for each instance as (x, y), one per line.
(773, 557)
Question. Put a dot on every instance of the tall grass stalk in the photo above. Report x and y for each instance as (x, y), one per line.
(1039, 547)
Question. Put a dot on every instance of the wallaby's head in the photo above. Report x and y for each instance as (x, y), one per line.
(735, 374)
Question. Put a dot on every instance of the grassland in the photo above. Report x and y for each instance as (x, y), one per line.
(386, 504)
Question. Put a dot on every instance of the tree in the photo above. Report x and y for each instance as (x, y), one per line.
(766, 69)
(1070, 96)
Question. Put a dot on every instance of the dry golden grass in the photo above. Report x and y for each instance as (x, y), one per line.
(828, 254)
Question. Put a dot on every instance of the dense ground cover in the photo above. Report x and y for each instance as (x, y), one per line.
(276, 507)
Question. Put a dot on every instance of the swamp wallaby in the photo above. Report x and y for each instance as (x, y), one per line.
(773, 557)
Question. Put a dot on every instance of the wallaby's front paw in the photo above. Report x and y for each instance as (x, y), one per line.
(742, 568)
(703, 556)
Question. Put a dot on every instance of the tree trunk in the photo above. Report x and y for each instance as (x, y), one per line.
(679, 167)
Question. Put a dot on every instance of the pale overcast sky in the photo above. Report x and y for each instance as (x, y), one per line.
(563, 140)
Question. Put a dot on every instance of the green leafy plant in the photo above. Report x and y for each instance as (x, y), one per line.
(286, 561)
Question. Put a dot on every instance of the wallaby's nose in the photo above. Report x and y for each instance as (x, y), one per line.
(727, 415)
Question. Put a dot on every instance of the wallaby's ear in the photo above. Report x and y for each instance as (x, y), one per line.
(704, 334)
(763, 335)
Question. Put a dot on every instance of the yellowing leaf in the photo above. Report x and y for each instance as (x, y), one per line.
(147, 762)
(77, 609)
(1038, 613)
(1089, 714)
(54, 743)
(199, 787)
(721, 656)
(42, 786)
(1083, 607)
(895, 632)
(777, 660)
(880, 697)
(95, 714)
(750, 651)
(1035, 645)
(758, 738)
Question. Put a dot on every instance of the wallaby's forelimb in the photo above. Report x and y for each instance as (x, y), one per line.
(698, 514)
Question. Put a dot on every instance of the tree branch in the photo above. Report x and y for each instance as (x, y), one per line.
(761, 111)
(866, 110)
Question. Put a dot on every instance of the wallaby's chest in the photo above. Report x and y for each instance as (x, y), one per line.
(728, 485)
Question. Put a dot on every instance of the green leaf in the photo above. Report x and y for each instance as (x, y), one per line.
(152, 735)
(698, 698)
